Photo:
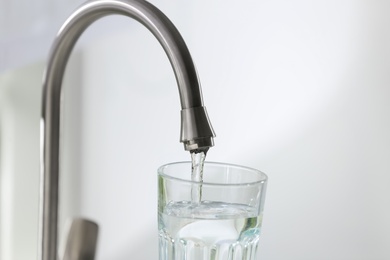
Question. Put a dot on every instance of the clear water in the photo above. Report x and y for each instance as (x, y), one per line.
(197, 175)
(208, 231)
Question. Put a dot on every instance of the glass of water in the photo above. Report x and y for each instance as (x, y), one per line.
(216, 218)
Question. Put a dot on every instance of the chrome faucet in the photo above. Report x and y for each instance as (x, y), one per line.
(196, 131)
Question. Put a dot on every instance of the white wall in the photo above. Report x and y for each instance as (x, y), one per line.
(19, 162)
(298, 89)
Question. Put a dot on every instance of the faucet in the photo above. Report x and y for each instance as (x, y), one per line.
(196, 131)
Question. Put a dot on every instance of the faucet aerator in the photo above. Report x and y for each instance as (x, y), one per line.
(196, 130)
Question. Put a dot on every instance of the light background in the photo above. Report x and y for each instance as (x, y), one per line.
(297, 89)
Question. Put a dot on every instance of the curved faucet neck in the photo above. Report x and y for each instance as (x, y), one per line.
(148, 15)
(196, 131)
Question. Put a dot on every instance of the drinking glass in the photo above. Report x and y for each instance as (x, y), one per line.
(218, 218)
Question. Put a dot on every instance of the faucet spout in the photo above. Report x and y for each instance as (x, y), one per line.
(196, 131)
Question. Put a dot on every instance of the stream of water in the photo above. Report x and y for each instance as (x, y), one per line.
(197, 176)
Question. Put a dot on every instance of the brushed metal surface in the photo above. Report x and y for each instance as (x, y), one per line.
(197, 131)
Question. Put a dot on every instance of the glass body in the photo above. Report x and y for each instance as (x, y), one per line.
(218, 218)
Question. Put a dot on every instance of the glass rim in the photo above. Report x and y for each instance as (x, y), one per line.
(263, 178)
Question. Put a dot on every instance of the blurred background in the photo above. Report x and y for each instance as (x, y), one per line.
(298, 89)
